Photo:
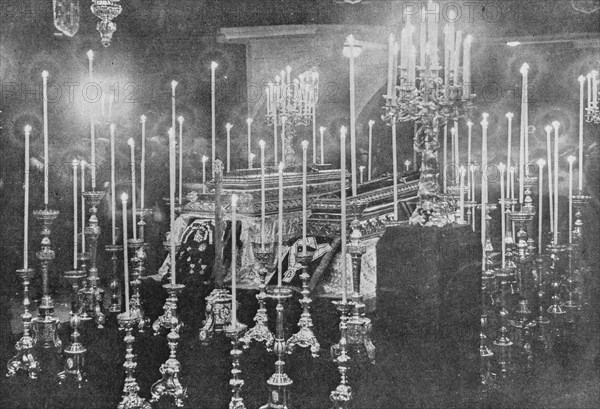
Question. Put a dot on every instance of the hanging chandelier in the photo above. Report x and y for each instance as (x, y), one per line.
(106, 11)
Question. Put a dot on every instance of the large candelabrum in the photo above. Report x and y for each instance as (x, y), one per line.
(265, 254)
(92, 294)
(291, 103)
(45, 325)
(25, 359)
(431, 103)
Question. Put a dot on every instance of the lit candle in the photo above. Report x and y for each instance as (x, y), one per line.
(541, 163)
(457, 49)
(472, 189)
(204, 159)
(124, 198)
(322, 130)
(589, 90)
(422, 40)
(90, 55)
(249, 122)
(143, 165)
(75, 201)
(213, 88)
(304, 192)
(131, 144)
(581, 91)
(467, 66)
(173, 86)
(262, 144)
(445, 159)
(172, 200)
(484, 125)
(470, 180)
(228, 127)
(113, 199)
(501, 168)
(456, 152)
(594, 74)
(45, 107)
(280, 229)
(180, 120)
(275, 137)
(395, 170)
(371, 123)
(343, 209)
(395, 73)
(432, 33)
(556, 125)
(548, 130)
(571, 159)
(26, 205)
(462, 172)
(314, 128)
(234, 199)
(82, 164)
(525, 119)
(509, 116)
(390, 66)
(361, 170)
(283, 121)
(350, 40)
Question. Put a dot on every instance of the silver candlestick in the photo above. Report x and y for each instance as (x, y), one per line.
(138, 260)
(555, 254)
(233, 332)
(142, 215)
(45, 326)
(260, 332)
(169, 320)
(115, 293)
(279, 381)
(25, 359)
(342, 395)
(305, 336)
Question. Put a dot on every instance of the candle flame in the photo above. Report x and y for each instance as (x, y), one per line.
(262, 144)
(234, 199)
(322, 129)
(524, 68)
(594, 73)
(513, 43)
(501, 167)
(44, 74)
(252, 156)
(82, 163)
(214, 65)
(249, 121)
(180, 119)
(510, 115)
(548, 129)
(571, 159)
(174, 84)
(75, 163)
(555, 124)
(541, 163)
(90, 54)
(204, 159)
(469, 39)
(124, 197)
(371, 122)
(27, 129)
(228, 126)
(469, 124)
(304, 144)
(143, 118)
(581, 79)
(131, 142)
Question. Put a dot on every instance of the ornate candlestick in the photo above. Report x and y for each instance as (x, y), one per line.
(541, 321)
(571, 303)
(485, 353)
(131, 399)
(470, 205)
(342, 395)
(279, 381)
(217, 314)
(528, 183)
(305, 336)
(93, 294)
(74, 352)
(115, 293)
(555, 250)
(234, 332)
(45, 325)
(142, 215)
(522, 325)
(359, 326)
(170, 384)
(25, 359)
(502, 339)
(260, 332)
(138, 259)
(521, 219)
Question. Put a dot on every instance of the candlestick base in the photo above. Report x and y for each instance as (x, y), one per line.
(169, 319)
(342, 395)
(25, 359)
(217, 314)
(233, 332)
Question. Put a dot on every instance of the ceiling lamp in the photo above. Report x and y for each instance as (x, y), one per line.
(106, 11)
(66, 16)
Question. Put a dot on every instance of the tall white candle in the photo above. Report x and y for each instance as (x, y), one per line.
(395, 170)
(548, 130)
(228, 127)
(467, 66)
(456, 153)
(314, 130)
(262, 144)
(580, 174)
(283, 121)
(462, 172)
(501, 168)
(213, 88)
(275, 137)
(45, 108)
(82, 165)
(571, 159)
(350, 40)
(172, 201)
(131, 144)
(594, 74)
(143, 165)
(445, 160)
(555, 125)
(322, 131)
(422, 40)
(234, 199)
(280, 229)
(75, 164)
(304, 193)
(26, 205)
(457, 55)
(541, 163)
(361, 170)
(369, 174)
(343, 209)
(124, 198)
(470, 180)
(180, 169)
(472, 188)
(390, 65)
(525, 117)
(90, 55)
(589, 89)
(509, 116)
(249, 122)
(113, 199)
(173, 86)
(484, 125)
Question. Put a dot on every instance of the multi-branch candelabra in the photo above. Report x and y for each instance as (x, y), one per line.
(260, 332)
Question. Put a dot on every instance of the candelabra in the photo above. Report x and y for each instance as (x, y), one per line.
(260, 332)
(138, 260)
(359, 326)
(115, 294)
(92, 294)
(130, 400)
(75, 351)
(305, 336)
(25, 359)
(555, 250)
(279, 381)
(170, 384)
(233, 332)
(45, 325)
(342, 395)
